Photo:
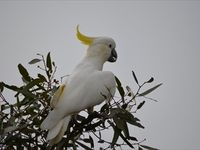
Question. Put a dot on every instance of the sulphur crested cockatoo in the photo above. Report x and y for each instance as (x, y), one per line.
(86, 87)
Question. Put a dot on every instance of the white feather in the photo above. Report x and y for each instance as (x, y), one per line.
(56, 135)
(55, 130)
(87, 86)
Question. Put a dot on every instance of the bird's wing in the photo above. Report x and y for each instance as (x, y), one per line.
(101, 86)
(94, 89)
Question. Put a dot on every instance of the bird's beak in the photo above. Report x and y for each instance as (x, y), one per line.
(113, 56)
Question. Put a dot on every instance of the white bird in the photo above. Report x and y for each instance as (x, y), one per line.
(86, 87)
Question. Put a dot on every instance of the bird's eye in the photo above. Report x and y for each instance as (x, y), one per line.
(110, 45)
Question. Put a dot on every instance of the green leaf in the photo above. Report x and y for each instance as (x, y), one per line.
(92, 142)
(128, 117)
(101, 141)
(1, 86)
(120, 88)
(136, 124)
(130, 92)
(150, 80)
(125, 140)
(150, 90)
(87, 140)
(140, 148)
(53, 63)
(132, 138)
(10, 129)
(114, 111)
(18, 103)
(33, 83)
(124, 106)
(125, 130)
(42, 77)
(105, 108)
(74, 146)
(121, 91)
(27, 94)
(118, 81)
(136, 80)
(82, 145)
(24, 72)
(148, 147)
(80, 118)
(34, 61)
(11, 87)
(26, 90)
(115, 136)
(140, 105)
(124, 114)
(48, 61)
(93, 126)
(30, 110)
(121, 124)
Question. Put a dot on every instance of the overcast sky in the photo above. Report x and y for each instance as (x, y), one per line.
(154, 38)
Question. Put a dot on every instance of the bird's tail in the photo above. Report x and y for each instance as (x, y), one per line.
(56, 133)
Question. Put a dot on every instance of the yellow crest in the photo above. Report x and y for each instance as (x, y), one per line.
(83, 38)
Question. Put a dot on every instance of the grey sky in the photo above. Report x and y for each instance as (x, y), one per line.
(154, 38)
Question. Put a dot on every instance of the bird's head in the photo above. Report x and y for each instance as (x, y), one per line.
(102, 47)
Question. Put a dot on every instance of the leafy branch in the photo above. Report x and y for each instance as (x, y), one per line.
(20, 122)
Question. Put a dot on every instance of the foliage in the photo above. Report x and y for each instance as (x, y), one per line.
(20, 122)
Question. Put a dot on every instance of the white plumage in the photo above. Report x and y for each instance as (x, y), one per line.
(86, 87)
